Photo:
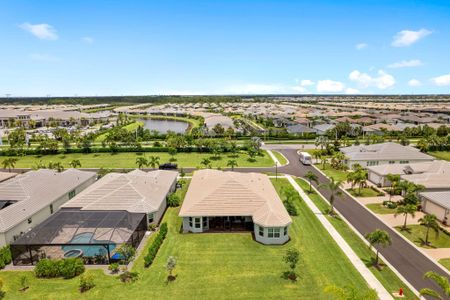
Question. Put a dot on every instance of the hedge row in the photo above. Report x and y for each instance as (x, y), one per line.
(154, 247)
(66, 268)
(5, 256)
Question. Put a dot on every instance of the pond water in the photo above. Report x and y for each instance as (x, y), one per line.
(162, 126)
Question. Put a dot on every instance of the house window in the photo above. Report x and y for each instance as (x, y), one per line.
(51, 208)
(270, 233)
(151, 218)
(205, 222)
(372, 163)
(276, 232)
(190, 221)
(71, 194)
(404, 161)
(285, 231)
(261, 231)
(29, 221)
(198, 223)
(392, 162)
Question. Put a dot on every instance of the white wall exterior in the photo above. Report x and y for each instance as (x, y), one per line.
(40, 216)
(430, 207)
(158, 214)
(365, 163)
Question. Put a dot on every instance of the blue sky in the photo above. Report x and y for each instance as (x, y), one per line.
(223, 47)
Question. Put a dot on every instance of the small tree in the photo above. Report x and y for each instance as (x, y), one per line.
(206, 162)
(430, 222)
(405, 210)
(153, 161)
(86, 282)
(378, 237)
(9, 163)
(75, 163)
(173, 200)
(394, 179)
(172, 152)
(292, 258)
(24, 285)
(232, 163)
(334, 187)
(310, 176)
(170, 266)
(441, 281)
(141, 162)
(126, 252)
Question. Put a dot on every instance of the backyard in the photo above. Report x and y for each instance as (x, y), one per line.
(219, 266)
(128, 159)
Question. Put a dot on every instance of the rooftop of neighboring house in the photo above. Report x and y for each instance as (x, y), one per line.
(220, 193)
(6, 175)
(440, 198)
(135, 192)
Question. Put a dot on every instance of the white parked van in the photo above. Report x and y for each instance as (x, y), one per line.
(305, 158)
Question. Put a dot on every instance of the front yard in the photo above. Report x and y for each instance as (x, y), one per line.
(331, 172)
(365, 192)
(416, 234)
(379, 208)
(216, 266)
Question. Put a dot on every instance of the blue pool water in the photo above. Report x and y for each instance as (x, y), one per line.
(88, 251)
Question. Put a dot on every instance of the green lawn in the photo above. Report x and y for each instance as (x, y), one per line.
(445, 262)
(386, 276)
(128, 159)
(379, 208)
(416, 234)
(130, 127)
(216, 266)
(280, 157)
(330, 172)
(364, 192)
(445, 155)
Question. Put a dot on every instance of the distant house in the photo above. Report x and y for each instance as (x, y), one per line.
(30, 198)
(232, 201)
(383, 153)
(380, 129)
(321, 129)
(437, 203)
(299, 129)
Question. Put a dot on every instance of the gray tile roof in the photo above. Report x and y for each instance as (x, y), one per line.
(440, 198)
(384, 151)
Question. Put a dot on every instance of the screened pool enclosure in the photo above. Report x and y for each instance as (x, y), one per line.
(94, 236)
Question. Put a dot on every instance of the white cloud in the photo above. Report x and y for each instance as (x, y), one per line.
(306, 82)
(414, 83)
(443, 80)
(364, 80)
(44, 57)
(352, 91)
(329, 86)
(361, 46)
(299, 89)
(406, 64)
(256, 89)
(41, 31)
(87, 40)
(406, 38)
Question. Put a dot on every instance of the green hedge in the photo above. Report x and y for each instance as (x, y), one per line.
(66, 268)
(156, 244)
(5, 256)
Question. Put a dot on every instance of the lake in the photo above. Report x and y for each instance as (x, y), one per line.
(162, 126)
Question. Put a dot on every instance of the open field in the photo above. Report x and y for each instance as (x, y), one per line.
(216, 266)
(416, 234)
(386, 276)
(128, 159)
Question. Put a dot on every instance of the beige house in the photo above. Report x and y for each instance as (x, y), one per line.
(134, 192)
(437, 203)
(232, 201)
(30, 198)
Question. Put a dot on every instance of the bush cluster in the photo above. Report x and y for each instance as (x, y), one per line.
(173, 200)
(154, 247)
(5, 256)
(86, 283)
(66, 268)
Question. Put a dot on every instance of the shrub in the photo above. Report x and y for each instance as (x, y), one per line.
(114, 268)
(128, 276)
(66, 268)
(156, 244)
(290, 207)
(152, 227)
(86, 282)
(173, 200)
(5, 256)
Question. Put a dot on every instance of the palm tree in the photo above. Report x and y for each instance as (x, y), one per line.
(232, 163)
(75, 163)
(394, 179)
(405, 210)
(442, 281)
(9, 163)
(206, 162)
(430, 222)
(334, 187)
(378, 237)
(153, 161)
(310, 176)
(141, 161)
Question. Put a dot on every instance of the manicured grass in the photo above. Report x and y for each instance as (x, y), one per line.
(330, 172)
(416, 234)
(215, 266)
(386, 276)
(445, 155)
(128, 159)
(379, 208)
(280, 157)
(445, 262)
(130, 127)
(364, 192)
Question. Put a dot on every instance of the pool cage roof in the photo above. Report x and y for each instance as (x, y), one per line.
(72, 226)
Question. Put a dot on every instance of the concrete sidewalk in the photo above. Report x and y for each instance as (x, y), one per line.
(371, 280)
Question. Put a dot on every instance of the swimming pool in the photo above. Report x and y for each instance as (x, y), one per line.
(89, 251)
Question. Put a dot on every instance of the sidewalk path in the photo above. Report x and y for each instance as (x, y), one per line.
(371, 280)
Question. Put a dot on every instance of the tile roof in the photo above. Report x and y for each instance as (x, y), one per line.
(441, 198)
(384, 151)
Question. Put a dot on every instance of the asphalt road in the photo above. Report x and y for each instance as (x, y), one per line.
(404, 257)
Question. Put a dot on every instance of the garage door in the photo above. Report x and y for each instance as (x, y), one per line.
(434, 209)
